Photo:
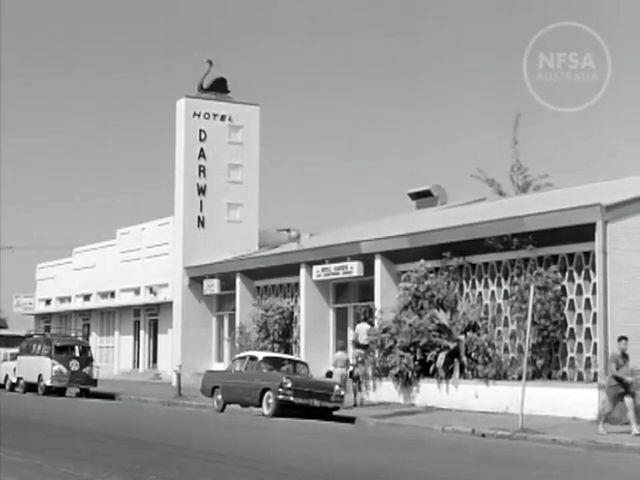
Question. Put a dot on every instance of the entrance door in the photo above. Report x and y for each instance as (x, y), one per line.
(345, 319)
(224, 339)
(153, 344)
(136, 344)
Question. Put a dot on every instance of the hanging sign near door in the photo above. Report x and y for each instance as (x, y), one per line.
(333, 271)
(211, 286)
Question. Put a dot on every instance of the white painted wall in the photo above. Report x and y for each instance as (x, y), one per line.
(139, 256)
(623, 245)
(542, 398)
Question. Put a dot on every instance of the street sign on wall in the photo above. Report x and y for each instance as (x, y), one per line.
(211, 286)
(23, 304)
(333, 271)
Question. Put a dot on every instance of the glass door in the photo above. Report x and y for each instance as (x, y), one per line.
(346, 317)
(224, 339)
(153, 343)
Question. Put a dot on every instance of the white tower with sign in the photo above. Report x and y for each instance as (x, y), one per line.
(215, 209)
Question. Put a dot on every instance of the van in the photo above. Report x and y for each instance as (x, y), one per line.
(54, 362)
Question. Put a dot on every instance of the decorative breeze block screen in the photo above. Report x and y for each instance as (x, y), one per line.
(490, 282)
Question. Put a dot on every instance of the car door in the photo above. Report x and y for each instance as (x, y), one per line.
(231, 387)
(247, 386)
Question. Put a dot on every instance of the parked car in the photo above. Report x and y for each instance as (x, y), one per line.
(8, 372)
(272, 382)
(55, 362)
(10, 343)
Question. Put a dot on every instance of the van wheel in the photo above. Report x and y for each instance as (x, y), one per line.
(22, 386)
(8, 384)
(269, 404)
(61, 392)
(84, 393)
(42, 388)
(219, 405)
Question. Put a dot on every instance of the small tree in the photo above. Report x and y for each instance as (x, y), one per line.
(275, 326)
(521, 179)
(549, 325)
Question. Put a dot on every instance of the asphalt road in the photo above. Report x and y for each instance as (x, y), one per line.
(69, 438)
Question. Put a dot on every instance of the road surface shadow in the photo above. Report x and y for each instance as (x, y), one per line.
(97, 395)
(313, 416)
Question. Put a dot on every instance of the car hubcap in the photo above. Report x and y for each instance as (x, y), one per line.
(217, 400)
(40, 388)
(267, 402)
(7, 383)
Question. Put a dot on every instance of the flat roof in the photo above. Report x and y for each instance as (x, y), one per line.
(547, 209)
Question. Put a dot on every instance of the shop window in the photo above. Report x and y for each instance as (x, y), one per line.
(234, 173)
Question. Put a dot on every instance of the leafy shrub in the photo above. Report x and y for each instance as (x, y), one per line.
(274, 326)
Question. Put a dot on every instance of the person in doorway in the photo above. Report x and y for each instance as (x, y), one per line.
(620, 387)
(340, 364)
(361, 335)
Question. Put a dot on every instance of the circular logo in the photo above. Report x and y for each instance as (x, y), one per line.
(74, 365)
(567, 67)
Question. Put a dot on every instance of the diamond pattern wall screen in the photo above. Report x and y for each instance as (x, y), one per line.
(490, 282)
(285, 291)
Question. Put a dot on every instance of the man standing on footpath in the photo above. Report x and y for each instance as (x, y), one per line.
(621, 387)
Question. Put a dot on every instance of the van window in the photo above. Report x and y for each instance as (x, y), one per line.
(71, 350)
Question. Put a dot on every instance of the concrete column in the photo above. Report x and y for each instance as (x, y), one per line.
(386, 279)
(116, 339)
(143, 340)
(245, 299)
(602, 306)
(315, 322)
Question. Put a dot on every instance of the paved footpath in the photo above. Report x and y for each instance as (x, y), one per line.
(537, 428)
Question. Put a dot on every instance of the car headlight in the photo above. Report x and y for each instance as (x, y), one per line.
(58, 369)
(286, 383)
(88, 370)
(338, 391)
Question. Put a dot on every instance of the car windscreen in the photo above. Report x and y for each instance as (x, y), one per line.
(71, 350)
(11, 341)
(284, 365)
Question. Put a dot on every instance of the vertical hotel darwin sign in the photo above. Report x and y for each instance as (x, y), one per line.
(201, 183)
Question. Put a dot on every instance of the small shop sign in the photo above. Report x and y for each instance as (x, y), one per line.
(211, 286)
(333, 271)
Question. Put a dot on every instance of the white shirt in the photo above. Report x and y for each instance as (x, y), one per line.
(362, 332)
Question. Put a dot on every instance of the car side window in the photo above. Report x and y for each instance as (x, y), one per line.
(251, 365)
(238, 364)
(46, 349)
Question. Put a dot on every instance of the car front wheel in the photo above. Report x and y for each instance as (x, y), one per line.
(217, 400)
(22, 386)
(8, 384)
(42, 388)
(269, 404)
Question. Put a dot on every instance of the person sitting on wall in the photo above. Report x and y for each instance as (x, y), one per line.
(620, 387)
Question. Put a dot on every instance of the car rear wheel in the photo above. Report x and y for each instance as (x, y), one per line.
(8, 384)
(42, 388)
(219, 405)
(22, 386)
(269, 404)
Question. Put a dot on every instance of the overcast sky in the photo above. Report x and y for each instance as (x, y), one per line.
(361, 100)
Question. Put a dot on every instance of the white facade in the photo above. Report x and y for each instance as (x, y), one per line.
(99, 289)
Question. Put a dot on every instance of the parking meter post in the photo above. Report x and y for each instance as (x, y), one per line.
(179, 379)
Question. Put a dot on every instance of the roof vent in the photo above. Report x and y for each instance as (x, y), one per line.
(427, 197)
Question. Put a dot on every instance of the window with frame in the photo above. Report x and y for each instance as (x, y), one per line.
(238, 364)
(235, 134)
(105, 342)
(234, 172)
(252, 364)
(64, 323)
(234, 212)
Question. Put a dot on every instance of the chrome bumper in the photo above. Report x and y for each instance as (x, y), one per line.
(311, 402)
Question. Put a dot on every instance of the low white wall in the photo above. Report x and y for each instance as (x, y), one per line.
(542, 398)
